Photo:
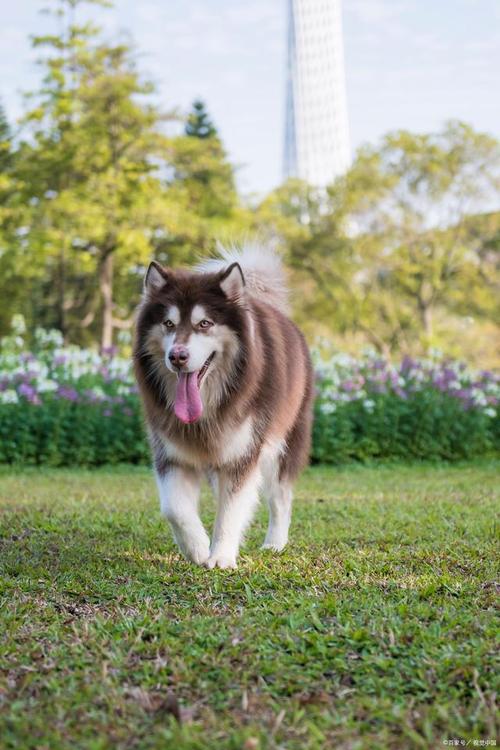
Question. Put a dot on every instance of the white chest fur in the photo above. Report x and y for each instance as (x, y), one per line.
(228, 447)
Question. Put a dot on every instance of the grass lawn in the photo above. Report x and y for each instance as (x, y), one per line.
(374, 629)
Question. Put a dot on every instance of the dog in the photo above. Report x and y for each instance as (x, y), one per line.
(226, 382)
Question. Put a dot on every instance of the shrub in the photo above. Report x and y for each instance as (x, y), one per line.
(63, 405)
(422, 409)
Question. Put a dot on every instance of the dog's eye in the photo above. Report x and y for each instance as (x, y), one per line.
(168, 324)
(205, 323)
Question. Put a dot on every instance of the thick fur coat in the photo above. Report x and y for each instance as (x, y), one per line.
(227, 386)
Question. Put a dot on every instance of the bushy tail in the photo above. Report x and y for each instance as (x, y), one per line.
(262, 269)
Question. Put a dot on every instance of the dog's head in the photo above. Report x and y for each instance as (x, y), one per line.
(191, 327)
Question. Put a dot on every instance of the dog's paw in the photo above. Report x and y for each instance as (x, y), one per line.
(198, 553)
(221, 560)
(275, 545)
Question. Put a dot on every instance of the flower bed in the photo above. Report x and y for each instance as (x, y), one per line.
(421, 409)
(63, 405)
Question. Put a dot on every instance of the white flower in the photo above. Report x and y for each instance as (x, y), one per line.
(45, 385)
(9, 397)
(478, 397)
(369, 405)
(18, 325)
(490, 412)
(327, 408)
(48, 338)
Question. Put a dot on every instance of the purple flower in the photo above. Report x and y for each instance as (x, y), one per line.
(399, 392)
(107, 413)
(110, 351)
(69, 394)
(407, 365)
(26, 390)
(348, 386)
(27, 357)
(29, 393)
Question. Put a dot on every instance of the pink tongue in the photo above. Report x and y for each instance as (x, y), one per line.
(188, 407)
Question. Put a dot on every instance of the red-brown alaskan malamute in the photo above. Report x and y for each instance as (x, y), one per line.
(227, 386)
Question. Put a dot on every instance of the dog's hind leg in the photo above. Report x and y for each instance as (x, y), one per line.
(279, 500)
(179, 490)
(278, 494)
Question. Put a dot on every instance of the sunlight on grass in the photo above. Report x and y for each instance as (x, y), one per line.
(374, 629)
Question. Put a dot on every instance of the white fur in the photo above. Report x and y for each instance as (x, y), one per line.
(236, 442)
(278, 495)
(182, 456)
(173, 314)
(179, 491)
(234, 513)
(262, 269)
(199, 345)
(198, 313)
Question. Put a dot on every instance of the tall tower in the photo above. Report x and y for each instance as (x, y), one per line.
(317, 145)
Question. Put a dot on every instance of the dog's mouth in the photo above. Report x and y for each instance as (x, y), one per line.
(203, 371)
(188, 406)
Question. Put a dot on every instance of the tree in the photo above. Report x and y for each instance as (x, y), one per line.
(5, 142)
(103, 188)
(91, 170)
(198, 123)
(398, 243)
(204, 190)
(422, 189)
(14, 272)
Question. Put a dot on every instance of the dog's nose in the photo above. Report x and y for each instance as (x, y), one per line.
(178, 356)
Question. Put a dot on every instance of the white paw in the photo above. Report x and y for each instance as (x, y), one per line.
(221, 560)
(276, 545)
(197, 552)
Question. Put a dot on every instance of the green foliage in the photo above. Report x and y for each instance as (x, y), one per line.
(101, 189)
(402, 247)
(428, 425)
(375, 628)
(64, 433)
(199, 124)
(401, 252)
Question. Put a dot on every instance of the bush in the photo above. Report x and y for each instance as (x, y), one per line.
(427, 409)
(64, 406)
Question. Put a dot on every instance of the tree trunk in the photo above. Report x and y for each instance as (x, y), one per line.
(106, 283)
(61, 293)
(425, 310)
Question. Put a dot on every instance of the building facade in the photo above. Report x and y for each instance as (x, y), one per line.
(317, 147)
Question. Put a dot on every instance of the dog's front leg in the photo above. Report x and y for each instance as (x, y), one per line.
(236, 504)
(179, 490)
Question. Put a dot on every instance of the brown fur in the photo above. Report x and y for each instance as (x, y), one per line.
(268, 378)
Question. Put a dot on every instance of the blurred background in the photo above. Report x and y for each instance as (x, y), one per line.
(150, 130)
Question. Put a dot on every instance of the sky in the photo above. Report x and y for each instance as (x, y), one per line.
(409, 64)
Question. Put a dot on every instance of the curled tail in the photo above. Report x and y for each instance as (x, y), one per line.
(262, 269)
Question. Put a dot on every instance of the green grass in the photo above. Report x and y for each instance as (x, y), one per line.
(374, 629)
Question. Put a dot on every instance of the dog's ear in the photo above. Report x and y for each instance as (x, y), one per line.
(232, 282)
(156, 277)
